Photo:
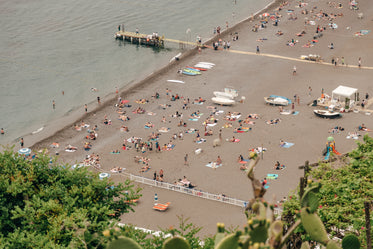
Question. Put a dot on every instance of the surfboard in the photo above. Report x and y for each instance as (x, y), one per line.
(38, 130)
(176, 81)
(207, 63)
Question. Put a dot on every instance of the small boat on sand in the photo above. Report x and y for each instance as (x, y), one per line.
(222, 101)
(224, 95)
(327, 114)
(277, 100)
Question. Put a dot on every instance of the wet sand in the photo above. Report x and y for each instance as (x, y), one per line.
(254, 76)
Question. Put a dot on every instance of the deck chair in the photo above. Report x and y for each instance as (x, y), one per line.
(161, 207)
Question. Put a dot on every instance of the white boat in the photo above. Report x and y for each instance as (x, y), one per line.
(276, 101)
(223, 101)
(327, 114)
(224, 95)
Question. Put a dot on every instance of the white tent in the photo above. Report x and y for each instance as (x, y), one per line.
(344, 91)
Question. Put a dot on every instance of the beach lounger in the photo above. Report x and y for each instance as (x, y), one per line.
(161, 207)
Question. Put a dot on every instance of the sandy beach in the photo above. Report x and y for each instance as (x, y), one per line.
(254, 76)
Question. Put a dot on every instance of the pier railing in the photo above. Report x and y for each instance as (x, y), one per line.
(188, 191)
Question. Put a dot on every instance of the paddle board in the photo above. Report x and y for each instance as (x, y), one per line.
(203, 66)
(176, 81)
(207, 63)
(38, 130)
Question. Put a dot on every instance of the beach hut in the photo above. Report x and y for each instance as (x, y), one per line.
(349, 93)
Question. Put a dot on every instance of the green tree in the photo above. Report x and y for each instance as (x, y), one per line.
(344, 188)
(46, 205)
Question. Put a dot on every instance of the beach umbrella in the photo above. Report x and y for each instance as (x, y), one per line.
(103, 176)
(330, 139)
(24, 151)
(266, 14)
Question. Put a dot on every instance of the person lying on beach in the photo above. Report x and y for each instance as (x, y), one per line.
(77, 127)
(120, 111)
(115, 152)
(87, 146)
(227, 125)
(273, 121)
(116, 170)
(142, 101)
(149, 124)
(233, 139)
(70, 147)
(153, 136)
(123, 117)
(336, 129)
(145, 168)
(141, 159)
(164, 129)
(199, 100)
(253, 116)
(362, 127)
(139, 110)
(124, 128)
(279, 33)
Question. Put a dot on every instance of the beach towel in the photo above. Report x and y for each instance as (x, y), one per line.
(286, 145)
(211, 124)
(236, 140)
(198, 103)
(172, 146)
(353, 137)
(190, 131)
(193, 119)
(164, 129)
(244, 161)
(69, 150)
(272, 176)
(151, 113)
(115, 152)
(295, 113)
(201, 141)
(148, 127)
(213, 165)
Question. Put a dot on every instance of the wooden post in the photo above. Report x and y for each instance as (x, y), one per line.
(306, 168)
(367, 206)
(301, 187)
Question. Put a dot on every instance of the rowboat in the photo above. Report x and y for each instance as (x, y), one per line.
(327, 114)
(222, 101)
(224, 95)
(277, 100)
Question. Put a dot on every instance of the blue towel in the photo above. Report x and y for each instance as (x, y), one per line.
(287, 145)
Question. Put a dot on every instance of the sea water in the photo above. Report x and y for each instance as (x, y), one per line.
(48, 47)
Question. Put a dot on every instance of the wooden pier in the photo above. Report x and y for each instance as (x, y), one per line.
(150, 40)
(143, 39)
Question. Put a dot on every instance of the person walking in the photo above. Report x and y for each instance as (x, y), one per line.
(294, 70)
(85, 108)
(54, 104)
(2, 132)
(359, 62)
(186, 159)
(98, 100)
(257, 50)
(22, 142)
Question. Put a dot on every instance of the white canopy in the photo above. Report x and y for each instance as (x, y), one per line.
(346, 92)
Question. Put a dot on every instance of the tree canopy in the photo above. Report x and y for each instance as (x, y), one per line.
(344, 189)
(46, 205)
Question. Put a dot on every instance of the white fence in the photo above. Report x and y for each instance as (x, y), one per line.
(190, 191)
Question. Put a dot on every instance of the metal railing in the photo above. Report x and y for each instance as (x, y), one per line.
(189, 191)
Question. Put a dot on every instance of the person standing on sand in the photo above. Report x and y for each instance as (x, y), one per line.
(22, 142)
(98, 100)
(359, 63)
(85, 108)
(2, 132)
(54, 105)
(309, 91)
(186, 159)
(294, 70)
(257, 50)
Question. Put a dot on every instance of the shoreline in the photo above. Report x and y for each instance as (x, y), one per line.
(110, 99)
